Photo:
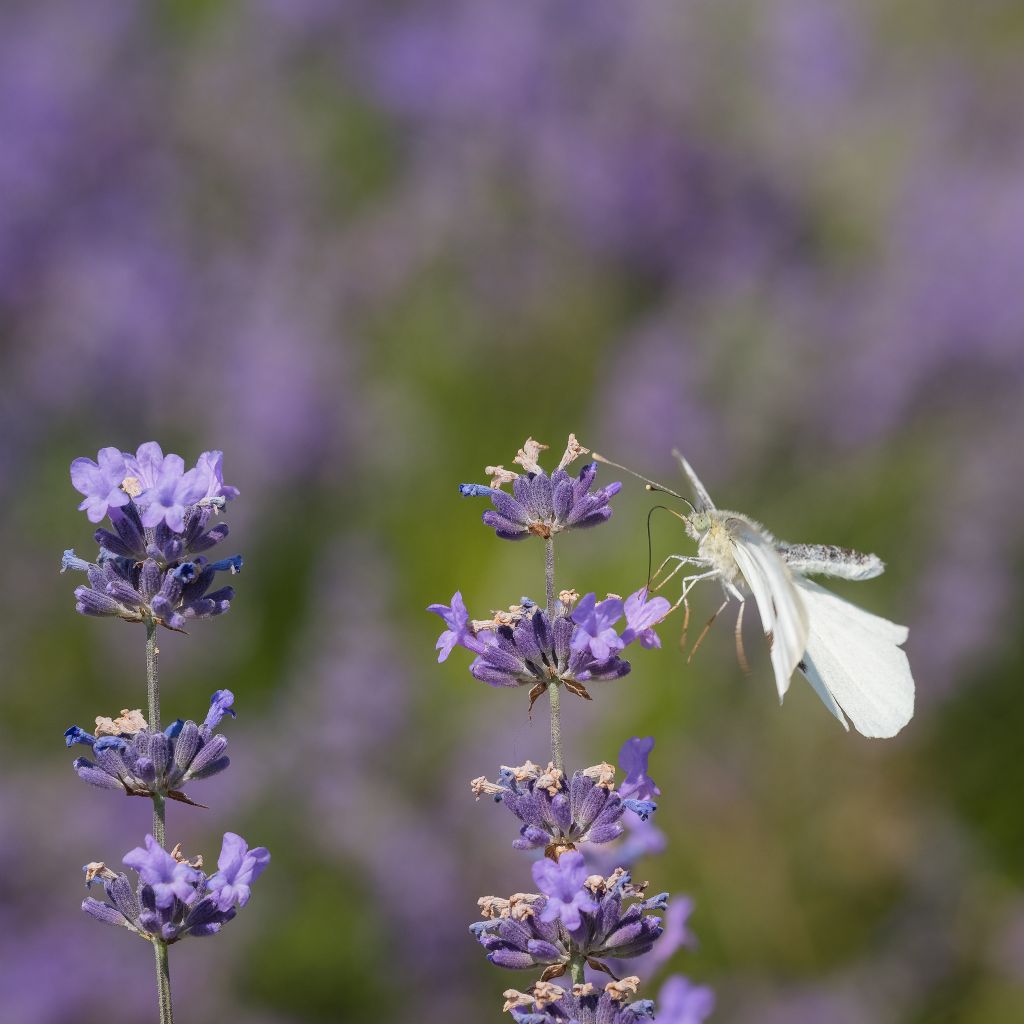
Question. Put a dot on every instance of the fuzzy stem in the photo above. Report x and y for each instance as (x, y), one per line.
(163, 982)
(549, 574)
(554, 695)
(163, 973)
(153, 694)
(556, 726)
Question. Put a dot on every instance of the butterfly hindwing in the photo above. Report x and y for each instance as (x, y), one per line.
(857, 659)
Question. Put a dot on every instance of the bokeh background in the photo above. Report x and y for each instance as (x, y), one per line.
(367, 248)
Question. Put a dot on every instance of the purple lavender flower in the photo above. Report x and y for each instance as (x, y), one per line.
(155, 573)
(596, 622)
(134, 760)
(460, 629)
(170, 879)
(547, 1003)
(238, 867)
(174, 898)
(633, 757)
(682, 1002)
(642, 615)
(100, 482)
(540, 505)
(558, 815)
(577, 917)
(562, 881)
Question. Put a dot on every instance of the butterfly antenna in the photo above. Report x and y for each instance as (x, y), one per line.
(651, 484)
(650, 542)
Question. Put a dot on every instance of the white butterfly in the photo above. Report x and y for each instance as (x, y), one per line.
(852, 658)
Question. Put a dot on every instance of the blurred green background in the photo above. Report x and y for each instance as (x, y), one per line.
(366, 249)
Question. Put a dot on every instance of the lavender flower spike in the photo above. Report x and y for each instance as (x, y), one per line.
(540, 505)
(100, 482)
(238, 867)
(562, 882)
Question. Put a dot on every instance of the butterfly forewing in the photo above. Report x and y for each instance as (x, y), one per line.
(704, 502)
(783, 614)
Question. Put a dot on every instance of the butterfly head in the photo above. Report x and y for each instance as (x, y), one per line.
(698, 522)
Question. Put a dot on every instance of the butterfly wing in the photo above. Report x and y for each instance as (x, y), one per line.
(855, 658)
(830, 560)
(704, 502)
(783, 614)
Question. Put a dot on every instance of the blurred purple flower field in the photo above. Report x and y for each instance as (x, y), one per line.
(365, 250)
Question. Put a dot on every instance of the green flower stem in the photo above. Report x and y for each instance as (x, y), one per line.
(163, 972)
(554, 687)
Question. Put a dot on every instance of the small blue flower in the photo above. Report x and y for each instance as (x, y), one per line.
(562, 882)
(460, 629)
(596, 623)
(633, 760)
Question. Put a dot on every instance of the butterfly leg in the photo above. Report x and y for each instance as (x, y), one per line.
(681, 561)
(741, 654)
(688, 584)
(706, 629)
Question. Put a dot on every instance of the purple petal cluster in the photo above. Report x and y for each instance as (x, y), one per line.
(546, 1003)
(159, 484)
(174, 898)
(526, 647)
(152, 564)
(559, 814)
(147, 763)
(542, 505)
(574, 917)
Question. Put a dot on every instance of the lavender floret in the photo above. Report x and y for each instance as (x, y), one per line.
(238, 867)
(135, 760)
